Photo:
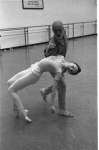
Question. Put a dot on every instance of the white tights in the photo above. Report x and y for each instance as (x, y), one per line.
(18, 82)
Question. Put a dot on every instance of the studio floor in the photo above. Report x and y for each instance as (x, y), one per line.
(50, 131)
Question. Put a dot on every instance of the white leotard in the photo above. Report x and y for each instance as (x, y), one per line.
(52, 64)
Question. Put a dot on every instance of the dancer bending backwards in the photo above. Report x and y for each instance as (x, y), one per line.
(55, 65)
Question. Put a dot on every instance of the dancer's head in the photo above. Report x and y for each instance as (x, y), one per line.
(58, 29)
(72, 68)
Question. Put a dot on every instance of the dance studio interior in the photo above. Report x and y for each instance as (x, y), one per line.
(25, 32)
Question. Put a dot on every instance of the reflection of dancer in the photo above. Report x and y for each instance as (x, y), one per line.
(57, 46)
(53, 64)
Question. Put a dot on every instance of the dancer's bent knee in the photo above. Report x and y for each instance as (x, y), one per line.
(11, 90)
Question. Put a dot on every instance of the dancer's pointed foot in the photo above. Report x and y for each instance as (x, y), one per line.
(26, 117)
(43, 95)
(53, 109)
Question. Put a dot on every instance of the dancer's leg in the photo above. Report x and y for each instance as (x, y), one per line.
(17, 76)
(12, 80)
(62, 94)
(62, 99)
(19, 84)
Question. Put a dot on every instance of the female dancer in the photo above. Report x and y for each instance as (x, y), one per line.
(55, 65)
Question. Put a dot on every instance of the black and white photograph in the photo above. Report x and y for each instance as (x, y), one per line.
(48, 75)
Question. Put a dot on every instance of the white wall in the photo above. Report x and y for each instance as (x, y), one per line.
(12, 14)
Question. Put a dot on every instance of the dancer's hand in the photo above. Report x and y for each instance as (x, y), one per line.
(53, 109)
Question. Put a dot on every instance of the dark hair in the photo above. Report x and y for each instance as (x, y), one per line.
(79, 69)
(57, 24)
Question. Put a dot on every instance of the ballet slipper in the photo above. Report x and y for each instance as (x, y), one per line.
(43, 95)
(52, 109)
(24, 113)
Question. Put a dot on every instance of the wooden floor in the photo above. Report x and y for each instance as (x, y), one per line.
(50, 131)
